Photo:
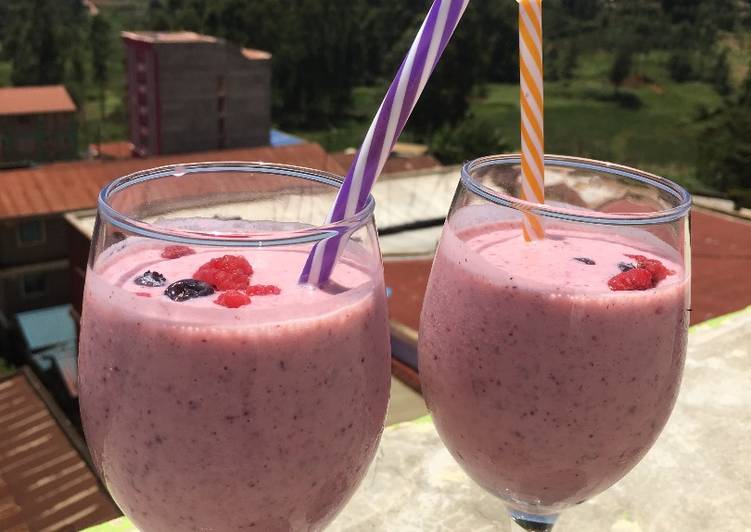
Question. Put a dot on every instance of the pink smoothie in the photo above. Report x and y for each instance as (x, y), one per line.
(263, 417)
(546, 386)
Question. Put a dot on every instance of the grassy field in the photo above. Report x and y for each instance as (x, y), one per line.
(657, 132)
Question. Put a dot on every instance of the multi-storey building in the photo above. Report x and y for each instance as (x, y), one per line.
(188, 92)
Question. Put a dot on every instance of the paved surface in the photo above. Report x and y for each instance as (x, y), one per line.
(697, 478)
(721, 271)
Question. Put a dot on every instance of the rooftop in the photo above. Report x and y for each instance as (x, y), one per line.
(35, 100)
(187, 37)
(45, 480)
(60, 187)
(168, 37)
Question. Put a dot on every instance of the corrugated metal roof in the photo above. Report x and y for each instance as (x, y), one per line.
(45, 483)
(62, 187)
(35, 100)
(394, 164)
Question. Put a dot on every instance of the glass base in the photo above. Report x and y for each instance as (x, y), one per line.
(533, 523)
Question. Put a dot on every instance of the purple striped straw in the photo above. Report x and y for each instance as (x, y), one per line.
(387, 125)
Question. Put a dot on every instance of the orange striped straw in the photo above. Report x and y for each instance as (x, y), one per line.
(532, 111)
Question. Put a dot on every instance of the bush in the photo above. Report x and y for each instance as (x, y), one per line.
(470, 139)
(680, 67)
(621, 68)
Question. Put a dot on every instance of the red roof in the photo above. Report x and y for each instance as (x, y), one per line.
(120, 149)
(394, 164)
(35, 100)
(60, 187)
(45, 482)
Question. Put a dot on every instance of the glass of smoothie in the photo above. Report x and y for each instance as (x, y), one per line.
(218, 393)
(550, 367)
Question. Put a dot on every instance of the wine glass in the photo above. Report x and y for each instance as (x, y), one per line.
(218, 393)
(551, 366)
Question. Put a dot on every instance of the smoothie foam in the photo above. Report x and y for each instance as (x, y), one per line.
(546, 386)
(263, 417)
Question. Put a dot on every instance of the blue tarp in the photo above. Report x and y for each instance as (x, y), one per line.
(47, 327)
(280, 138)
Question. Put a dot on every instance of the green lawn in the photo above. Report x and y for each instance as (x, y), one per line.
(581, 119)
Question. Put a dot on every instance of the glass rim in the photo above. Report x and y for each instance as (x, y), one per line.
(683, 197)
(305, 235)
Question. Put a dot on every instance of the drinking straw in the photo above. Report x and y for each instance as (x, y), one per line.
(389, 121)
(532, 113)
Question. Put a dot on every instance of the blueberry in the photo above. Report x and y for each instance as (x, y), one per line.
(186, 289)
(625, 266)
(585, 260)
(152, 279)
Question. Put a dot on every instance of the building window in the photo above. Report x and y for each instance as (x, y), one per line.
(31, 233)
(34, 285)
(222, 140)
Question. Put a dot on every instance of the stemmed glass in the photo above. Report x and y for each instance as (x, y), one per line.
(550, 367)
(218, 393)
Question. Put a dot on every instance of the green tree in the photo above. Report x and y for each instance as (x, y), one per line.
(570, 60)
(157, 17)
(480, 51)
(33, 44)
(552, 63)
(720, 74)
(99, 41)
(622, 64)
(75, 75)
(725, 148)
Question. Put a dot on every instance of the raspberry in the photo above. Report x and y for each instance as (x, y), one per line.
(231, 263)
(655, 267)
(229, 272)
(232, 299)
(175, 252)
(636, 279)
(222, 280)
(263, 290)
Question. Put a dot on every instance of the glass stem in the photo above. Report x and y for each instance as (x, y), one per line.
(521, 521)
